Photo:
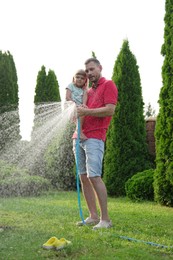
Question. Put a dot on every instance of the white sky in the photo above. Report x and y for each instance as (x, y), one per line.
(61, 34)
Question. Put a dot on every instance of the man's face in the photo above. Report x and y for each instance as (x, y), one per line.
(93, 71)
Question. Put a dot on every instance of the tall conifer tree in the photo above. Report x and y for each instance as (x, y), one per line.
(126, 147)
(9, 114)
(41, 90)
(47, 87)
(8, 82)
(52, 87)
(163, 179)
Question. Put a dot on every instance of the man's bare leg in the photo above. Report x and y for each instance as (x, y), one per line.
(89, 196)
(100, 190)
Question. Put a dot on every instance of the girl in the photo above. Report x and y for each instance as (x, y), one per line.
(77, 92)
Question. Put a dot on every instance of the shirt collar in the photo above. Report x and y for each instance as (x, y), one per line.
(100, 81)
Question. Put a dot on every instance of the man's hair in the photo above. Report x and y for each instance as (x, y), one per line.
(96, 61)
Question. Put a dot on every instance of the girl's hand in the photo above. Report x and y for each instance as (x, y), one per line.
(86, 86)
(85, 106)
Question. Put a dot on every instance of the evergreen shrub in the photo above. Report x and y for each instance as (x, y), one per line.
(126, 148)
(140, 186)
(163, 177)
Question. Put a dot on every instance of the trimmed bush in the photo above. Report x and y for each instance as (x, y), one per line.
(140, 186)
(17, 182)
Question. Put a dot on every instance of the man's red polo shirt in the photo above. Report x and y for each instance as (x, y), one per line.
(105, 93)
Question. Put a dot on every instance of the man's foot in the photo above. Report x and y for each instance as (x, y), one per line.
(103, 224)
(88, 221)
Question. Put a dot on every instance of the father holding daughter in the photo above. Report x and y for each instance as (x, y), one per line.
(96, 112)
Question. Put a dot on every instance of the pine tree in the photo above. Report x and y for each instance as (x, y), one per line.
(126, 148)
(163, 178)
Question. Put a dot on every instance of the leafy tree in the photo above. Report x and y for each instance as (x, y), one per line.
(9, 116)
(163, 178)
(126, 148)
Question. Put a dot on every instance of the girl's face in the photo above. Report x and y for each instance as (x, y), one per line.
(79, 81)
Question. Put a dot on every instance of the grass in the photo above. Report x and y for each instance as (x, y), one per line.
(27, 223)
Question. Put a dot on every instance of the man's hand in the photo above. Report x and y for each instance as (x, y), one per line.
(82, 110)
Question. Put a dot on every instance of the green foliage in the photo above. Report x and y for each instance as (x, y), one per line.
(8, 82)
(163, 178)
(40, 90)
(9, 115)
(150, 112)
(17, 182)
(60, 161)
(47, 87)
(126, 147)
(52, 87)
(140, 186)
(93, 55)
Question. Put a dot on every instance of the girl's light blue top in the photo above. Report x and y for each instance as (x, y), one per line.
(76, 93)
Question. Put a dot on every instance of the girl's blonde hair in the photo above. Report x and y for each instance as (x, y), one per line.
(83, 73)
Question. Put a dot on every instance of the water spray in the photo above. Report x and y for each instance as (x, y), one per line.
(77, 170)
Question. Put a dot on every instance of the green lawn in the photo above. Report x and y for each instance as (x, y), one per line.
(27, 223)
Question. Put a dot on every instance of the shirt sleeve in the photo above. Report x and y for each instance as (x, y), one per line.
(111, 93)
(70, 87)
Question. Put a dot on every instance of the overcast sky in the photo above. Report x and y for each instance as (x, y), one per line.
(61, 34)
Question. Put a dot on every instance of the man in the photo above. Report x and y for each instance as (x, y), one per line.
(102, 99)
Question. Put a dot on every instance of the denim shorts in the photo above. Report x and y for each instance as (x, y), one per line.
(89, 156)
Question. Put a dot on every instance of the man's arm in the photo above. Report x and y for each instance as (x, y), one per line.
(108, 110)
